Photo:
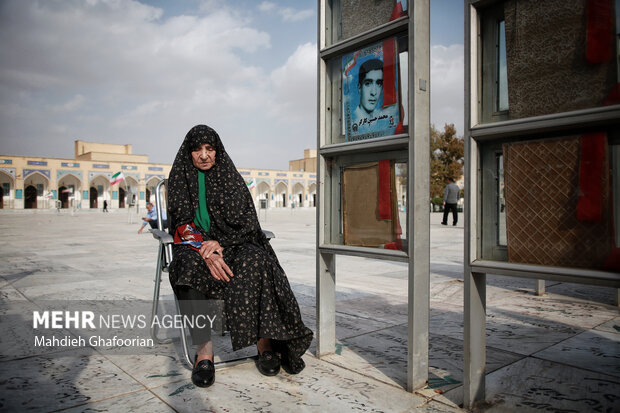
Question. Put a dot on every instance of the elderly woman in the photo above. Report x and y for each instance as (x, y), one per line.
(221, 253)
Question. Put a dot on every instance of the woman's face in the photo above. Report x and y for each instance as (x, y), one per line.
(204, 157)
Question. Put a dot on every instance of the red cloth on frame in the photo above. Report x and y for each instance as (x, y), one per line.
(397, 11)
(390, 94)
(385, 190)
(599, 31)
(385, 203)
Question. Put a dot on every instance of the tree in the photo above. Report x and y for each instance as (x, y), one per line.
(447, 158)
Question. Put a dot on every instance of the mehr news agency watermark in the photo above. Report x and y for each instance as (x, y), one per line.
(114, 328)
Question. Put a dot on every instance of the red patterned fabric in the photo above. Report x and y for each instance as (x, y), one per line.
(187, 234)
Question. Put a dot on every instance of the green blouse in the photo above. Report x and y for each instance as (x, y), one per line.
(202, 219)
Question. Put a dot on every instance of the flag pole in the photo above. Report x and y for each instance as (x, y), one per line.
(129, 217)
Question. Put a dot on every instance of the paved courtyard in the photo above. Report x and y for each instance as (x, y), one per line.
(557, 352)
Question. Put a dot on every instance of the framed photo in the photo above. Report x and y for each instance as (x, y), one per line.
(370, 92)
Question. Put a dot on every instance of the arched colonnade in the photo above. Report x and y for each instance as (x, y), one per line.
(70, 191)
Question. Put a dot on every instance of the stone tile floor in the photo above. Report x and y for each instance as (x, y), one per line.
(558, 352)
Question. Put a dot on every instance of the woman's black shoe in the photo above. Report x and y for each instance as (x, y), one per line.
(203, 374)
(293, 366)
(268, 363)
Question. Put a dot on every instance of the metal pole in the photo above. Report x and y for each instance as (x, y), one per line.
(325, 304)
(418, 230)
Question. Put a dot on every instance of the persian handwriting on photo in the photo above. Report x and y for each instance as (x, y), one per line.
(370, 121)
(366, 121)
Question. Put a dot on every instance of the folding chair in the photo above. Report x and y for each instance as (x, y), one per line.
(164, 258)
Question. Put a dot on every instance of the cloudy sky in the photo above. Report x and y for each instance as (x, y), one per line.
(144, 72)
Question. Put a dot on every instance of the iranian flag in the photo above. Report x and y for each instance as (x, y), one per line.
(116, 178)
(251, 184)
(68, 190)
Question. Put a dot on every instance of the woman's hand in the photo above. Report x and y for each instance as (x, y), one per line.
(209, 247)
(211, 252)
(219, 269)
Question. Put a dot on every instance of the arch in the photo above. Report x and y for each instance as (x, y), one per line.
(281, 195)
(121, 197)
(5, 177)
(7, 183)
(131, 186)
(30, 197)
(93, 195)
(36, 176)
(312, 194)
(70, 176)
(63, 197)
(69, 181)
(264, 192)
(150, 188)
(298, 194)
(102, 190)
(131, 181)
(40, 184)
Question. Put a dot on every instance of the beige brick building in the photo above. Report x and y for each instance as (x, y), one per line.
(28, 182)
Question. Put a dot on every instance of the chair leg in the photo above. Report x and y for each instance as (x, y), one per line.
(184, 342)
(158, 272)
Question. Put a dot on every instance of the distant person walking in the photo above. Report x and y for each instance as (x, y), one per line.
(105, 206)
(450, 198)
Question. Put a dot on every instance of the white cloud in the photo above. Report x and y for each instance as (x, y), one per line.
(71, 105)
(266, 6)
(119, 73)
(290, 111)
(288, 14)
(447, 87)
(294, 83)
(292, 15)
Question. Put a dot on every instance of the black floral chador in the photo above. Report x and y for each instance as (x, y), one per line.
(258, 300)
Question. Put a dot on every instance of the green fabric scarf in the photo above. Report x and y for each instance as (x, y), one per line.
(202, 219)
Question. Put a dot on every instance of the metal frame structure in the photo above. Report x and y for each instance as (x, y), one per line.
(475, 267)
(414, 147)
